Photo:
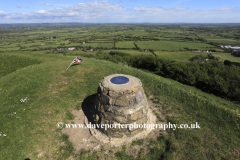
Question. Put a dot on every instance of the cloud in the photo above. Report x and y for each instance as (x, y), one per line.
(158, 10)
(3, 13)
(45, 4)
(41, 11)
(181, 8)
(105, 12)
(19, 6)
(181, 11)
(119, 0)
(31, 3)
(90, 11)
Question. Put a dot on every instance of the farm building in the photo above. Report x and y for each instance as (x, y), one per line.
(60, 49)
(71, 48)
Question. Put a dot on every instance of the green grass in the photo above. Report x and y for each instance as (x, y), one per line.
(53, 92)
(218, 39)
(123, 155)
(11, 63)
(69, 116)
(178, 56)
(172, 45)
(66, 150)
(223, 40)
(224, 57)
(133, 52)
(125, 44)
(108, 45)
(137, 142)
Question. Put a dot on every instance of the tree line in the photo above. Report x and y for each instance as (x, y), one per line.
(213, 77)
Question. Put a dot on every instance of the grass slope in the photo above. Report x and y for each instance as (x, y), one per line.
(29, 127)
(11, 63)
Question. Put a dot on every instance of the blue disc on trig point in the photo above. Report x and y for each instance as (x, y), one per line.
(119, 80)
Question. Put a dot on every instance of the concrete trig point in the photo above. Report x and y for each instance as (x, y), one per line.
(121, 100)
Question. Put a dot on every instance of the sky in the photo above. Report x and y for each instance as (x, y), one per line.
(120, 11)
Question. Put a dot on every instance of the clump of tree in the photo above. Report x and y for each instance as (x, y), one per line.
(236, 54)
(229, 63)
(202, 57)
(118, 53)
(201, 39)
(137, 46)
(212, 57)
(199, 56)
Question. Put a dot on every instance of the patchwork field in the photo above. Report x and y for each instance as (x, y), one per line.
(178, 56)
(229, 57)
(171, 45)
(107, 45)
(125, 44)
(134, 52)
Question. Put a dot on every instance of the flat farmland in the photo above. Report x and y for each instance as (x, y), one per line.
(102, 41)
(108, 45)
(125, 44)
(178, 56)
(218, 39)
(222, 40)
(172, 45)
(134, 52)
(136, 33)
(9, 48)
(225, 56)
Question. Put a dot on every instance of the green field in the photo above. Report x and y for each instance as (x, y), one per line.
(134, 52)
(222, 40)
(107, 45)
(125, 44)
(12, 63)
(224, 57)
(178, 56)
(171, 45)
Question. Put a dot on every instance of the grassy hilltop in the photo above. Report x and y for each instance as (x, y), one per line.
(36, 91)
(48, 94)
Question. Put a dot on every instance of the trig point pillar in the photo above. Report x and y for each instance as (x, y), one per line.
(121, 100)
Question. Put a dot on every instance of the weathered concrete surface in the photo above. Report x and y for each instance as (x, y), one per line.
(133, 82)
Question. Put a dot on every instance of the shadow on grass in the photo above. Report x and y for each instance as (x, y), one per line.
(75, 64)
(87, 107)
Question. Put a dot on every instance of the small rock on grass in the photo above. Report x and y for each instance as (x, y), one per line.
(97, 148)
